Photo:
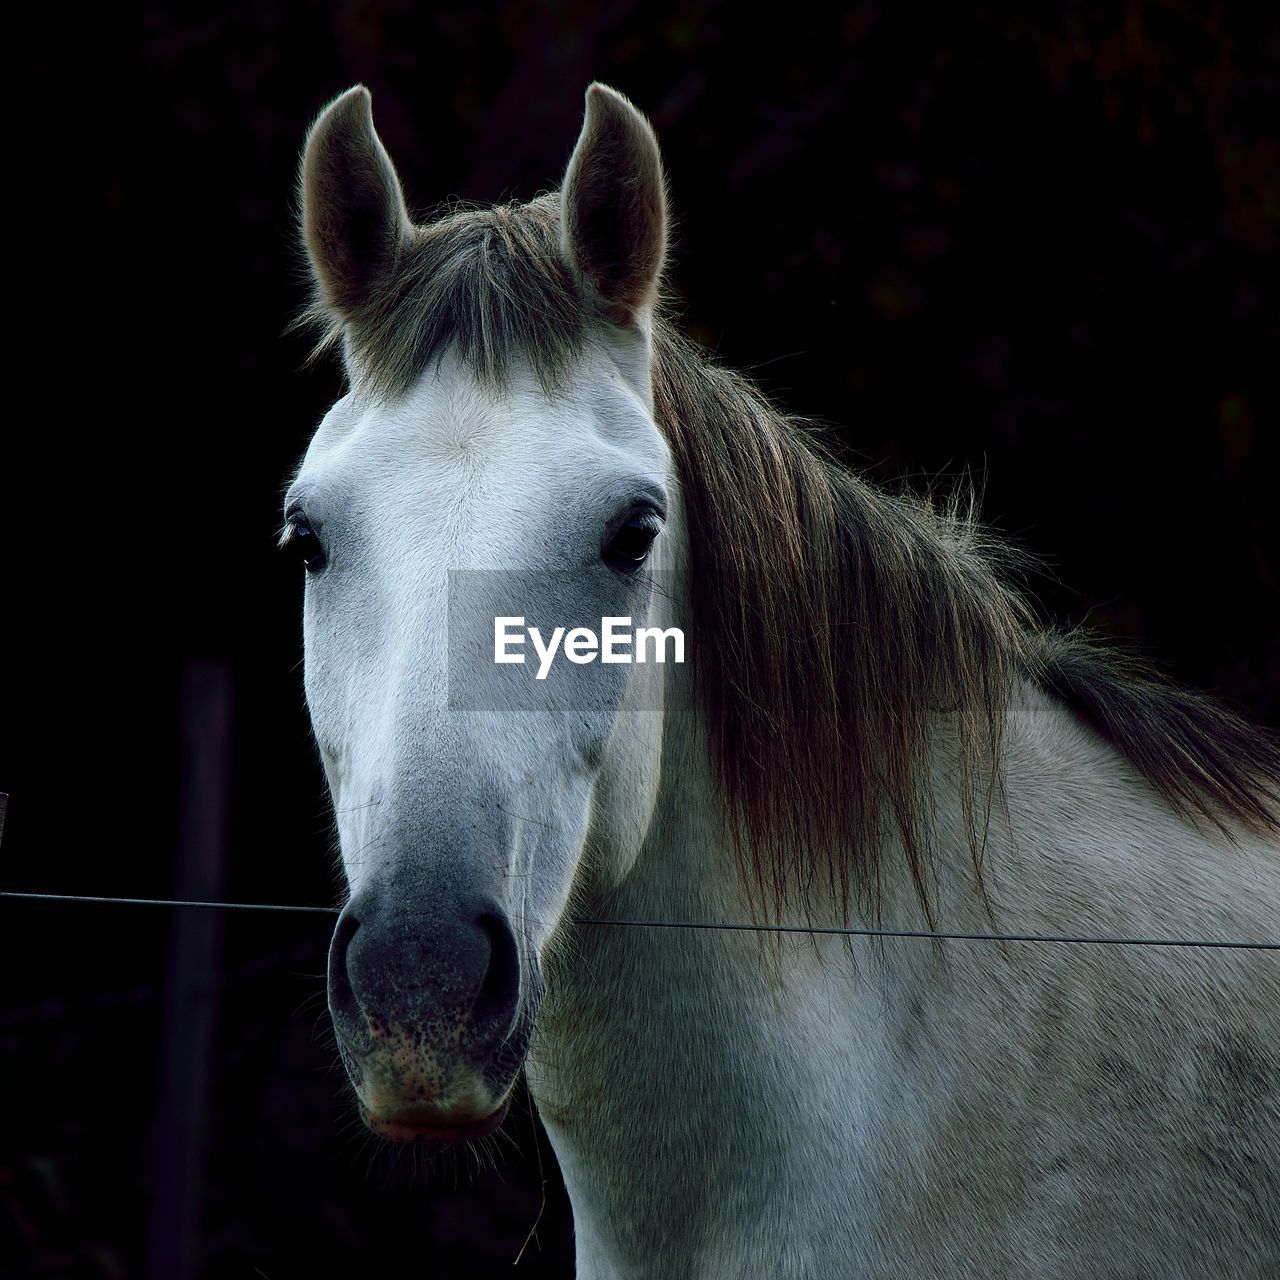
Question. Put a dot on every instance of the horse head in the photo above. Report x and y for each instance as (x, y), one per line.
(499, 421)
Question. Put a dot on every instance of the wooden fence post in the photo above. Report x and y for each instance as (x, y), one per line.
(181, 1133)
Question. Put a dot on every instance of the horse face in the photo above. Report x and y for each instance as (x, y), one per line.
(462, 810)
(465, 803)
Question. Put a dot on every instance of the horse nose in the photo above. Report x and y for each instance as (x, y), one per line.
(436, 973)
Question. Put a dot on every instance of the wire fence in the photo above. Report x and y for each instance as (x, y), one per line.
(934, 935)
(733, 926)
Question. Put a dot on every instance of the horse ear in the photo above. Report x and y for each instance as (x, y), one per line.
(353, 212)
(613, 208)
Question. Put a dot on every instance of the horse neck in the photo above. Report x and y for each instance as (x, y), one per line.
(661, 1051)
(719, 1109)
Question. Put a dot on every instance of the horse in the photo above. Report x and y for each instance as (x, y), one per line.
(871, 730)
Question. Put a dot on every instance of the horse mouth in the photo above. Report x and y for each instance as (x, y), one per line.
(420, 1125)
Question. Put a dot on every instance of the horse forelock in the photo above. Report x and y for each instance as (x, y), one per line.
(489, 284)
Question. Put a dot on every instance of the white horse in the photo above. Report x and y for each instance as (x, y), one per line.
(869, 729)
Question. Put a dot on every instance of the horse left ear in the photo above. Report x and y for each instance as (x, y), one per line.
(613, 209)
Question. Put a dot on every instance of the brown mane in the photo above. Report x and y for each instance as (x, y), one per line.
(837, 631)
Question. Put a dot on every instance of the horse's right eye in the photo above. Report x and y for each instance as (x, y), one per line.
(302, 541)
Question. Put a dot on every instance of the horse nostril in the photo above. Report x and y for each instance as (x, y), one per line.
(342, 996)
(496, 999)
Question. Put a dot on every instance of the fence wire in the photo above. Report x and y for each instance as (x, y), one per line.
(840, 930)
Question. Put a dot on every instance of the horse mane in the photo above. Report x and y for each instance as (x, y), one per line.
(843, 630)
(838, 633)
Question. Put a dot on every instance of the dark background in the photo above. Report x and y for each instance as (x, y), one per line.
(1042, 249)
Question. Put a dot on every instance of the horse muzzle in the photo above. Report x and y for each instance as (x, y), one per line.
(432, 1009)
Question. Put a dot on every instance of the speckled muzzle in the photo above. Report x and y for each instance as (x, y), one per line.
(432, 1004)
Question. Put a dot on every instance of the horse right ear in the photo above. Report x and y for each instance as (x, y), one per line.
(613, 208)
(354, 218)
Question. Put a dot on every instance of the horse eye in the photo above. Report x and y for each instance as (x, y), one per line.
(627, 548)
(303, 542)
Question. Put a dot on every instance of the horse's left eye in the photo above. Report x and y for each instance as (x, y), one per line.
(627, 549)
(303, 542)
